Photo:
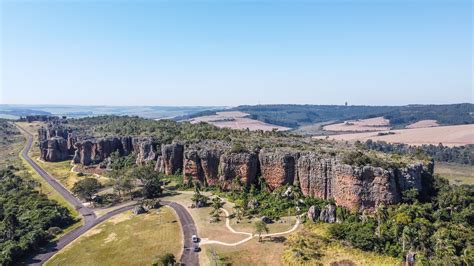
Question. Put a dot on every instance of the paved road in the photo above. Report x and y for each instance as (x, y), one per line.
(188, 257)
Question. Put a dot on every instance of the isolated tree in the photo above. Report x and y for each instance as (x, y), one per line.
(86, 188)
(260, 227)
(239, 211)
(216, 208)
(150, 179)
(124, 184)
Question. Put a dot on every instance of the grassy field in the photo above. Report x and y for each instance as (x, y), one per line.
(11, 143)
(125, 239)
(335, 252)
(456, 173)
(267, 252)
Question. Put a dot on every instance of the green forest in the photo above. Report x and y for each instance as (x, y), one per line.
(28, 219)
(298, 115)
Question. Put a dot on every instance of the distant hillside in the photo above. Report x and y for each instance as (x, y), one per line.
(399, 116)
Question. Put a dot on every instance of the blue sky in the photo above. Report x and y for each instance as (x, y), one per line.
(383, 52)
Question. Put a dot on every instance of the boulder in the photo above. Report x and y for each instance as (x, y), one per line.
(313, 213)
(138, 210)
(266, 219)
(328, 214)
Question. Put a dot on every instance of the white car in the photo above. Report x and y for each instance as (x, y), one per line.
(194, 238)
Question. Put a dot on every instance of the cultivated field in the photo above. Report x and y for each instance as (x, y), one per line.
(362, 125)
(448, 135)
(236, 120)
(423, 123)
(126, 239)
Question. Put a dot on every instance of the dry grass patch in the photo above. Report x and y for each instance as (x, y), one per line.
(267, 252)
(457, 174)
(126, 240)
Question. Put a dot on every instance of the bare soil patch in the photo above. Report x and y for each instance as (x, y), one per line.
(362, 125)
(424, 123)
(447, 135)
(236, 120)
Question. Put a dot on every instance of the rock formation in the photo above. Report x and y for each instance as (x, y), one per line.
(328, 214)
(313, 213)
(145, 149)
(242, 165)
(91, 151)
(201, 161)
(277, 167)
(54, 149)
(355, 187)
(171, 160)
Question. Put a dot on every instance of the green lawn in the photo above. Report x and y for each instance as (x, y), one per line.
(125, 239)
(456, 173)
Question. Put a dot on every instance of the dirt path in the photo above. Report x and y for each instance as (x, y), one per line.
(206, 241)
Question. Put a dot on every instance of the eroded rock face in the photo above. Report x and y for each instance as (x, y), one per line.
(192, 166)
(277, 167)
(90, 151)
(54, 149)
(145, 149)
(171, 159)
(242, 165)
(355, 187)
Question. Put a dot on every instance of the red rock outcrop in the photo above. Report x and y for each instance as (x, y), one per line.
(277, 167)
(356, 187)
(242, 165)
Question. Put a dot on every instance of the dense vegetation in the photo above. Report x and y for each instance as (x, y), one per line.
(440, 153)
(438, 231)
(27, 218)
(399, 116)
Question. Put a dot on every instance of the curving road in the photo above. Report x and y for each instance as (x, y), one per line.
(188, 256)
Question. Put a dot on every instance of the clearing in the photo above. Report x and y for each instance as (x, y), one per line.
(126, 239)
(457, 174)
(362, 125)
(236, 120)
(448, 135)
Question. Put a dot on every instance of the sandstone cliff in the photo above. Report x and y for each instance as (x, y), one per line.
(357, 187)
(54, 149)
(171, 159)
(277, 167)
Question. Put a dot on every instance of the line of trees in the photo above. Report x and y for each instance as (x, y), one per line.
(440, 153)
